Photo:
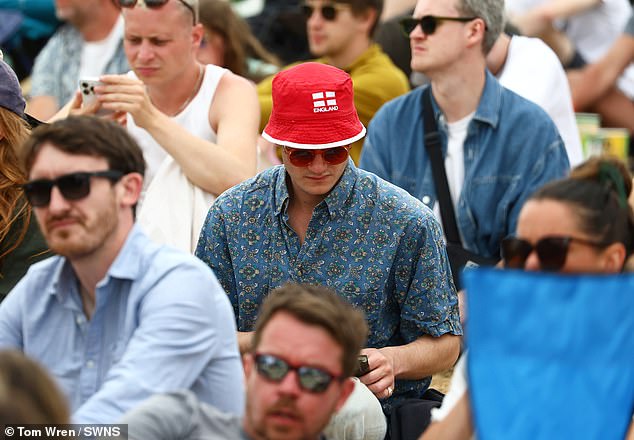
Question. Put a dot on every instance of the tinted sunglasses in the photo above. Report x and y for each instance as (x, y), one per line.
(311, 379)
(154, 4)
(302, 158)
(74, 186)
(551, 251)
(428, 23)
(328, 11)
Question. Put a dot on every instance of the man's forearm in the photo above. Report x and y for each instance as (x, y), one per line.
(425, 356)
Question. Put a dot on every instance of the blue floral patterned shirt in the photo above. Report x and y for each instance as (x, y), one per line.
(369, 240)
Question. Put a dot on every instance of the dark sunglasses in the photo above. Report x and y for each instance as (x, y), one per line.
(302, 158)
(312, 379)
(428, 23)
(74, 186)
(551, 251)
(154, 4)
(328, 11)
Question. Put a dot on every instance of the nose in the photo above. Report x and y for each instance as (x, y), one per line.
(315, 16)
(146, 51)
(532, 262)
(58, 203)
(318, 165)
(290, 384)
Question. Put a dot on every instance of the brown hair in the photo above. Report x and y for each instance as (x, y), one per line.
(239, 42)
(87, 135)
(598, 191)
(361, 6)
(319, 306)
(27, 392)
(13, 206)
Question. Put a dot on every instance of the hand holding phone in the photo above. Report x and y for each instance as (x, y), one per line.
(89, 97)
(363, 366)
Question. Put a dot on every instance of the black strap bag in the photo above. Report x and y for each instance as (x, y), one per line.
(459, 257)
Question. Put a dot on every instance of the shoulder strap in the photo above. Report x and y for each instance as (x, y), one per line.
(434, 151)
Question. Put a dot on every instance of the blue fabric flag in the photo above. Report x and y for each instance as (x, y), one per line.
(550, 356)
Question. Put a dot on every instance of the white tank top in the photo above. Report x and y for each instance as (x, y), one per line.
(194, 118)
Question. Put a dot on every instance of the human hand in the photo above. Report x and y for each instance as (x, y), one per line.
(380, 379)
(123, 95)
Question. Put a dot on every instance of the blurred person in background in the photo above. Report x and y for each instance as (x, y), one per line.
(228, 42)
(28, 394)
(88, 45)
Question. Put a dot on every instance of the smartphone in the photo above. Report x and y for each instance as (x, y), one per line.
(362, 365)
(87, 88)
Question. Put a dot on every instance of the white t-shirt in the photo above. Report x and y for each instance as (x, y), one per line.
(96, 54)
(592, 32)
(454, 161)
(533, 71)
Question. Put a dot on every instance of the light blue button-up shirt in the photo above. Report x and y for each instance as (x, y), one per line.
(161, 323)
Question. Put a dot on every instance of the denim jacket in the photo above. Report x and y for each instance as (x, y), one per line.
(512, 148)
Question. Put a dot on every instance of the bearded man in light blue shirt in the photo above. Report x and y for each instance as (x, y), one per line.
(114, 317)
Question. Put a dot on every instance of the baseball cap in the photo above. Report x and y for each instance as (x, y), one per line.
(313, 108)
(10, 93)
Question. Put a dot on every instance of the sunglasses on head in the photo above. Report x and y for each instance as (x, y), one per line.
(311, 379)
(74, 186)
(428, 23)
(302, 158)
(154, 4)
(551, 251)
(328, 10)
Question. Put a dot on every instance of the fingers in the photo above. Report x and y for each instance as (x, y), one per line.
(380, 378)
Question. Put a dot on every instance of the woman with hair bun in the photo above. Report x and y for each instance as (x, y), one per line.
(580, 224)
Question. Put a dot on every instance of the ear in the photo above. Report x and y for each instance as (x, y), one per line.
(614, 257)
(247, 363)
(198, 32)
(475, 31)
(367, 19)
(130, 185)
(347, 387)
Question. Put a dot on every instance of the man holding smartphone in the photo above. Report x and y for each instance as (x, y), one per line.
(319, 220)
(197, 125)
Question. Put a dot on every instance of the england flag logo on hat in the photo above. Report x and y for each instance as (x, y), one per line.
(324, 102)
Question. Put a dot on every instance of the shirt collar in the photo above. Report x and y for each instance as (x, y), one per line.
(488, 110)
(335, 201)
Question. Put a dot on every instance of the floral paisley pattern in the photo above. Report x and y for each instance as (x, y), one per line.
(368, 240)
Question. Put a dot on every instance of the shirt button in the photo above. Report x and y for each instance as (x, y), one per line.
(80, 320)
(90, 364)
(426, 200)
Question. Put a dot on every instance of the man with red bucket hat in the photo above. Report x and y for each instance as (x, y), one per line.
(318, 219)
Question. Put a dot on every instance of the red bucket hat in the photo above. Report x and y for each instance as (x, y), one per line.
(313, 108)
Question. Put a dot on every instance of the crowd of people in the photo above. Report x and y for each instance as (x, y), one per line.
(199, 242)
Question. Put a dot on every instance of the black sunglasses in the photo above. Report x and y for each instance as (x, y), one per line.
(312, 379)
(74, 186)
(154, 4)
(551, 251)
(428, 23)
(328, 11)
